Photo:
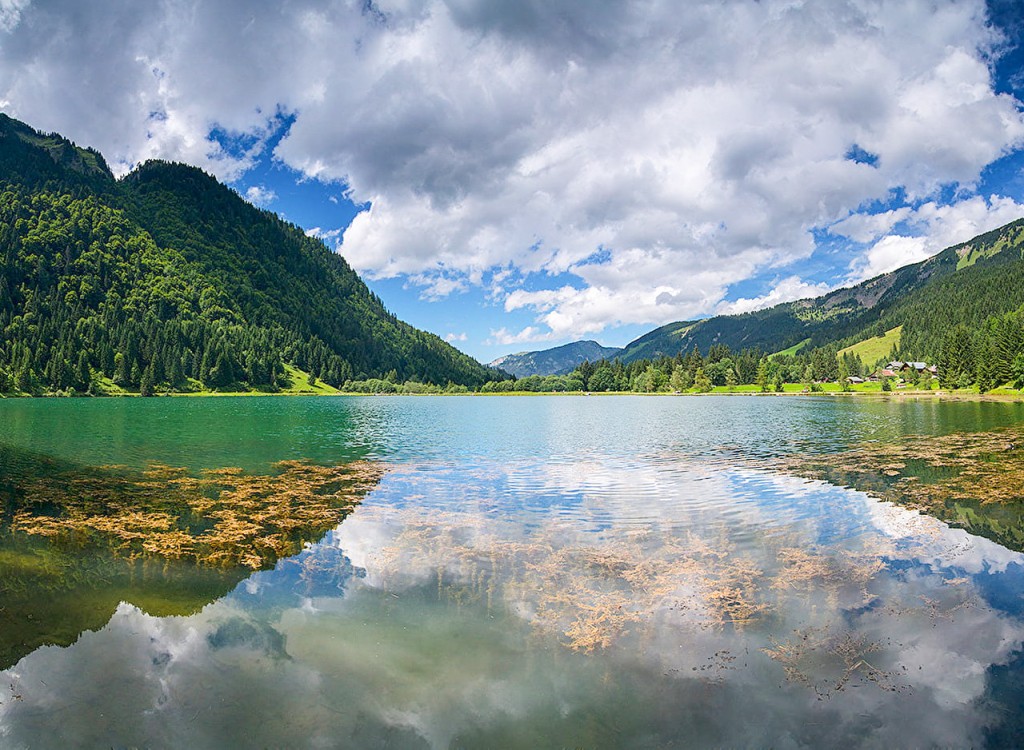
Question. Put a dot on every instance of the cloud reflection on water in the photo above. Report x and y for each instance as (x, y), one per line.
(458, 606)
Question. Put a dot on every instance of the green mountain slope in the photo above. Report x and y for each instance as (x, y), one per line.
(168, 278)
(559, 360)
(667, 340)
(963, 284)
(990, 284)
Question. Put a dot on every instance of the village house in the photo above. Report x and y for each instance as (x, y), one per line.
(896, 369)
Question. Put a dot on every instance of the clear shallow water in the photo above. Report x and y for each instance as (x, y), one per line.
(537, 572)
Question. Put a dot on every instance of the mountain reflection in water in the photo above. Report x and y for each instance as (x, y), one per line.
(485, 604)
(77, 540)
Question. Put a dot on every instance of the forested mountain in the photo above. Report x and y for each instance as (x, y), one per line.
(964, 284)
(556, 361)
(962, 309)
(167, 278)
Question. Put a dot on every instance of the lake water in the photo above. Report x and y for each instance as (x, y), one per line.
(530, 572)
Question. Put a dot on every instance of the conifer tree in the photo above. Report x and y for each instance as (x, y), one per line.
(701, 382)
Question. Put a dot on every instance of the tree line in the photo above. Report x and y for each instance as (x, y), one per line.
(689, 372)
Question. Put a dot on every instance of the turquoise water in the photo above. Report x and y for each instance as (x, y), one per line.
(533, 572)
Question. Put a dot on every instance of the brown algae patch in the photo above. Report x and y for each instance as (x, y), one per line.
(972, 480)
(224, 517)
(987, 467)
(591, 593)
(696, 602)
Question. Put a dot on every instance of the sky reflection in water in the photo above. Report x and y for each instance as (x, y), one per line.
(490, 602)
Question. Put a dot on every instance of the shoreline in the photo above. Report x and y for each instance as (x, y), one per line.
(943, 395)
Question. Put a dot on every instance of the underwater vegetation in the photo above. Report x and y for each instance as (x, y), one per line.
(601, 594)
(75, 540)
(972, 480)
(223, 517)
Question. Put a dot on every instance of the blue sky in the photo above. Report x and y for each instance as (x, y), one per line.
(514, 176)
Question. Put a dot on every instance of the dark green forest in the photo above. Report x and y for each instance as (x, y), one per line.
(168, 280)
(692, 371)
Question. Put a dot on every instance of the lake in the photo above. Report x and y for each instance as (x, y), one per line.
(520, 572)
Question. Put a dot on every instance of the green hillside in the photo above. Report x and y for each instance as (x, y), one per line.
(168, 279)
(789, 351)
(965, 284)
(991, 285)
(873, 349)
(668, 340)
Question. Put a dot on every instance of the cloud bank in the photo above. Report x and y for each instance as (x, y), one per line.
(654, 152)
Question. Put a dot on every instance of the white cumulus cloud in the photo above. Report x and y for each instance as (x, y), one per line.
(931, 228)
(503, 336)
(785, 290)
(260, 196)
(693, 144)
(10, 13)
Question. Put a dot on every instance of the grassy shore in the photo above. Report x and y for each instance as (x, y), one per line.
(299, 384)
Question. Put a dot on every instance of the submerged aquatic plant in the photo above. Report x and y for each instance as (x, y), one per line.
(224, 517)
(697, 602)
(972, 480)
(594, 591)
(829, 662)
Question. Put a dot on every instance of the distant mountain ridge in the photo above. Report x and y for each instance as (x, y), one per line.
(169, 278)
(557, 361)
(963, 284)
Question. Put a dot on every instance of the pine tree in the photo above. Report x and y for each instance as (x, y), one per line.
(26, 381)
(844, 375)
(762, 375)
(146, 382)
(83, 372)
(701, 381)
(120, 371)
(678, 380)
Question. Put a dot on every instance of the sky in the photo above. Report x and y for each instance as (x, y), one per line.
(517, 175)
